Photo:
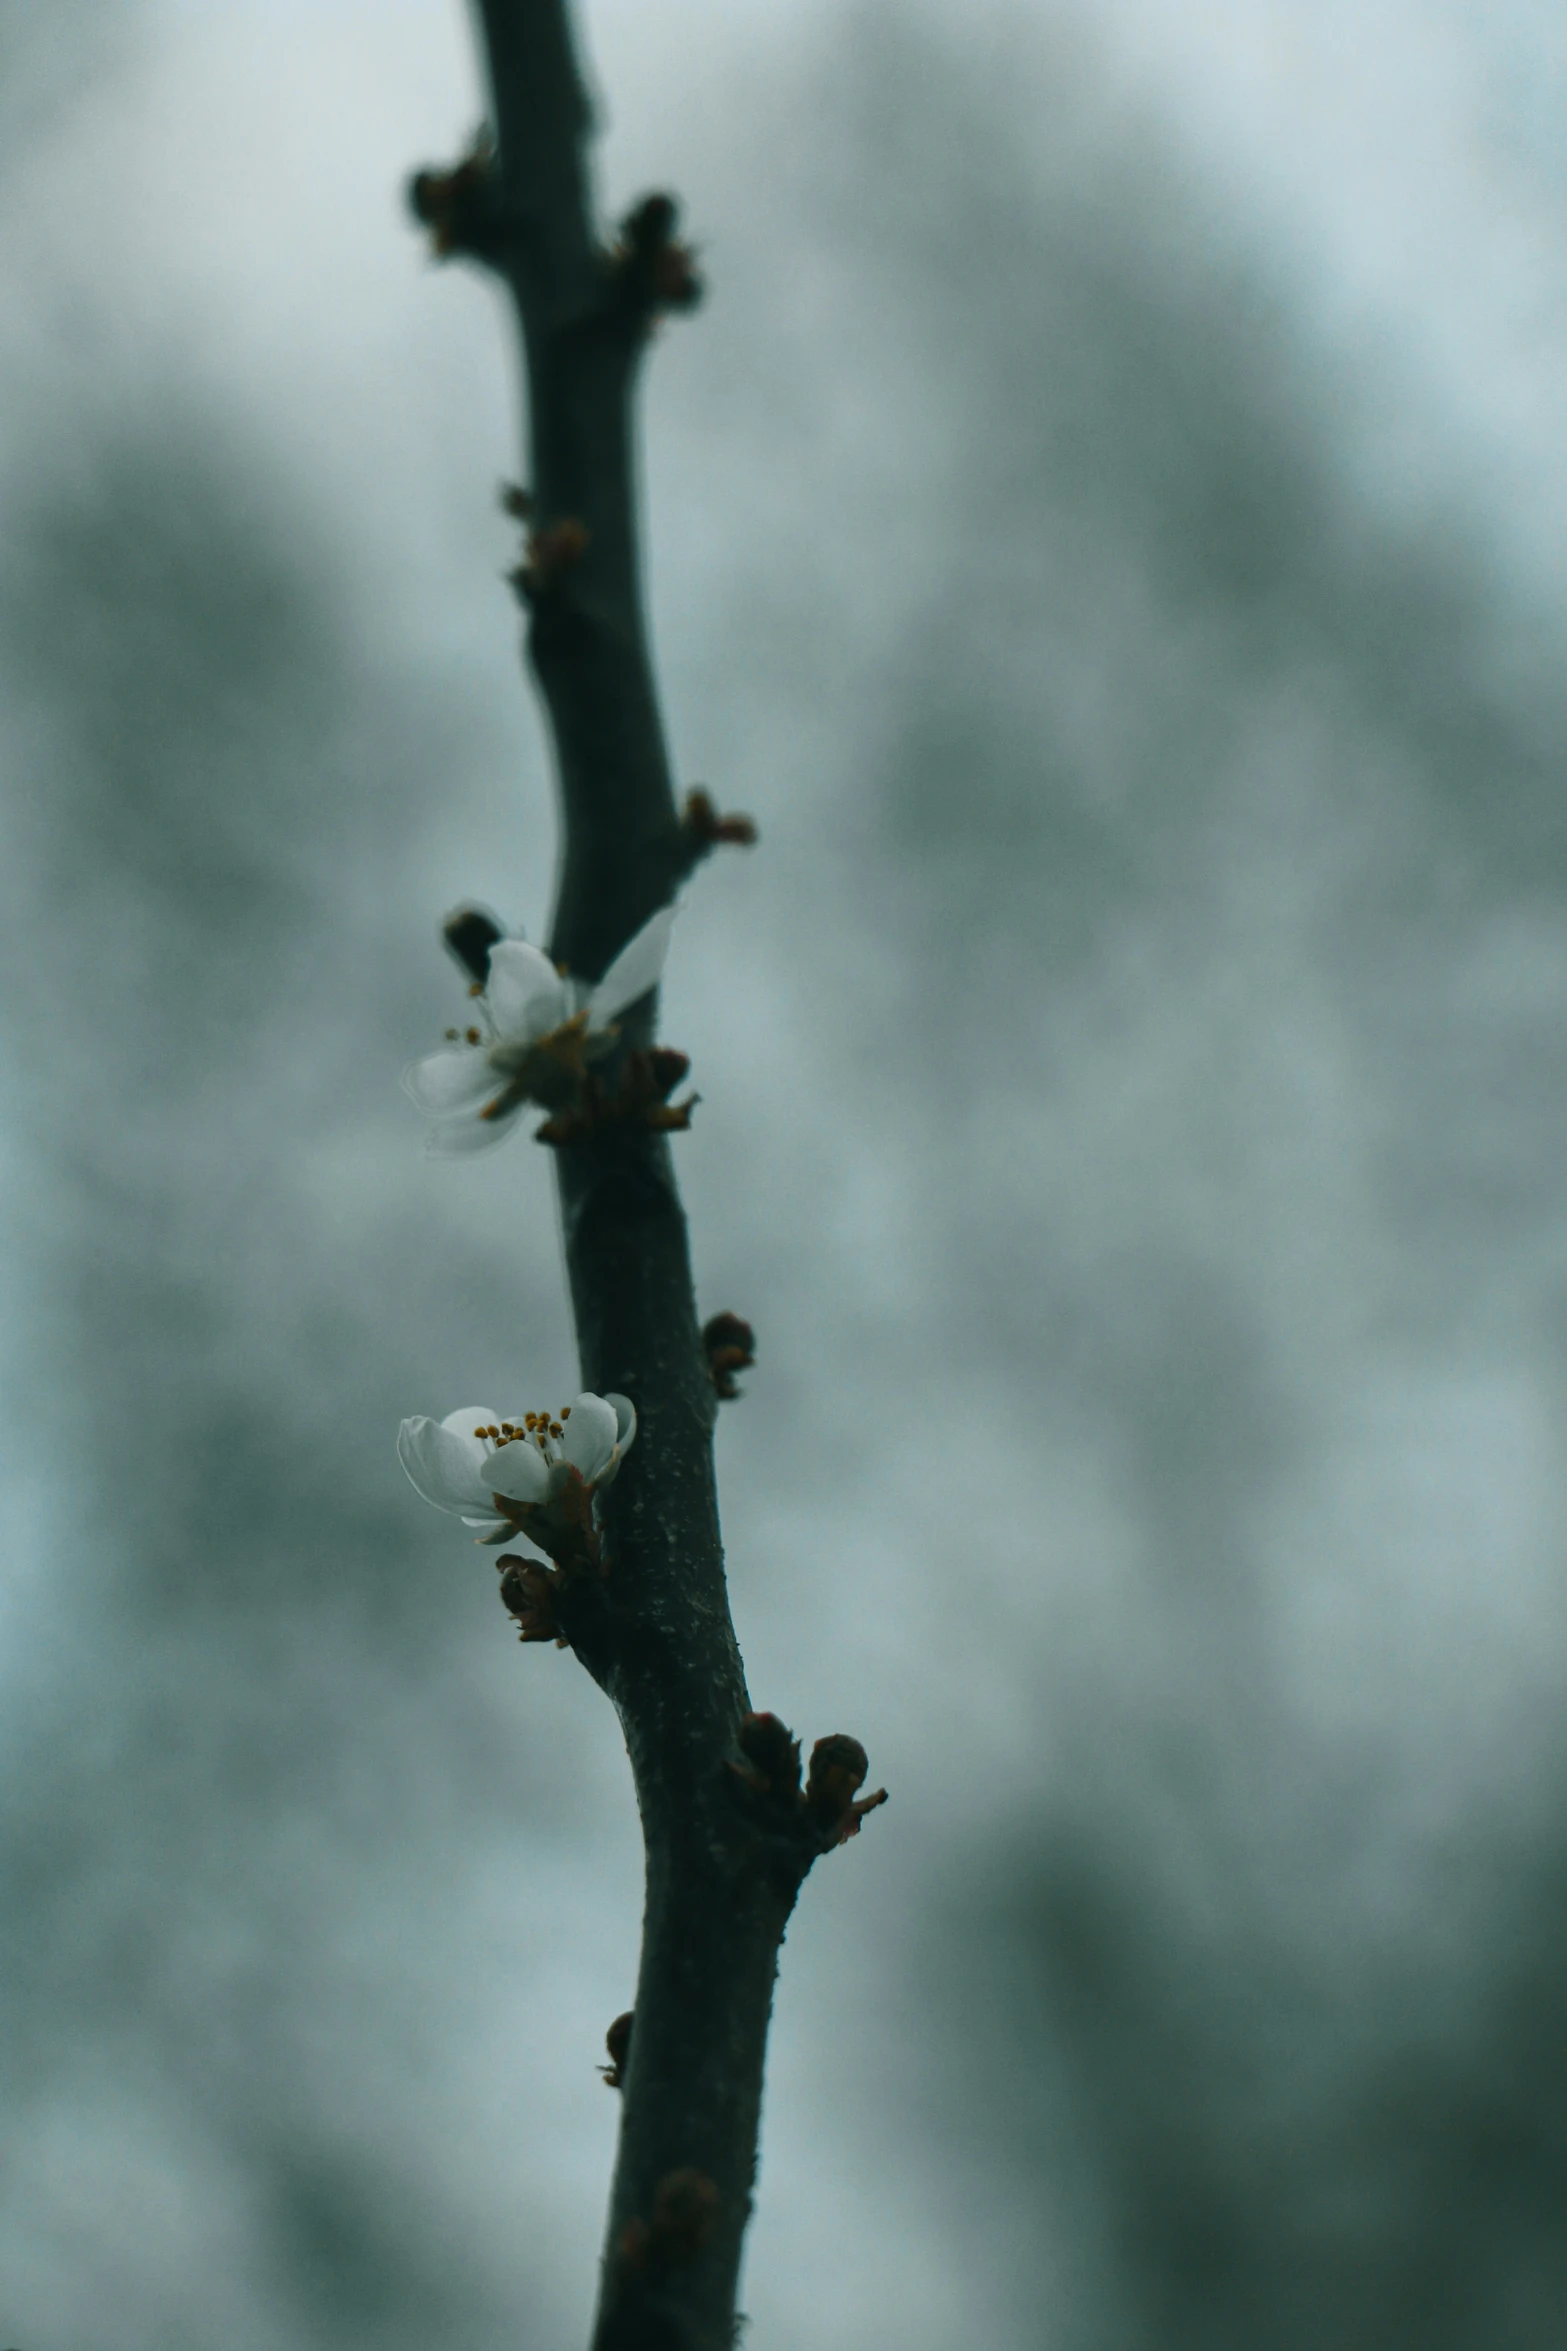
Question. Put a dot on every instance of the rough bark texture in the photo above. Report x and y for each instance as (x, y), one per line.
(723, 1862)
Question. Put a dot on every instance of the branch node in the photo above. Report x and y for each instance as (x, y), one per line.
(460, 204)
(638, 1099)
(567, 1603)
(553, 553)
(797, 1825)
(729, 1343)
(654, 272)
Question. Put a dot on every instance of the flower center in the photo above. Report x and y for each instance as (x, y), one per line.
(528, 1056)
(544, 1430)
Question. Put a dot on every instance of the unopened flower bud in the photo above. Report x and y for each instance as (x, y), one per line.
(838, 1768)
(772, 1754)
(837, 1773)
(528, 1590)
(656, 269)
(707, 829)
(457, 205)
(470, 932)
(618, 2042)
(729, 1343)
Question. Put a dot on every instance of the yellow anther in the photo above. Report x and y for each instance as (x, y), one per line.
(556, 1430)
(451, 1036)
(472, 1036)
(565, 1412)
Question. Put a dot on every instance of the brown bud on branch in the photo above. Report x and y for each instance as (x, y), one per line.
(838, 1768)
(654, 271)
(729, 1344)
(618, 2042)
(801, 1823)
(772, 1756)
(529, 1590)
(458, 205)
(705, 829)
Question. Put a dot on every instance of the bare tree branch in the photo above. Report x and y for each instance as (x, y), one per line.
(728, 1829)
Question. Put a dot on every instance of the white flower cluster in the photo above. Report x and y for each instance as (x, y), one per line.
(536, 1033)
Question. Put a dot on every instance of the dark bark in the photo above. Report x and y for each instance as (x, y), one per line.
(726, 1847)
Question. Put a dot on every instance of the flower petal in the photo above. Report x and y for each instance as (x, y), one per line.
(635, 969)
(460, 1138)
(625, 1421)
(444, 1083)
(469, 1417)
(525, 994)
(518, 1471)
(442, 1465)
(589, 1441)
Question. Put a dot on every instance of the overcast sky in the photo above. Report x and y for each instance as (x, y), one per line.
(1107, 528)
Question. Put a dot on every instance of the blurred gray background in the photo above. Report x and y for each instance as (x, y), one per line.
(1107, 527)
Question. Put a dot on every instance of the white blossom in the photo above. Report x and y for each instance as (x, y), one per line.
(535, 1032)
(497, 1474)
